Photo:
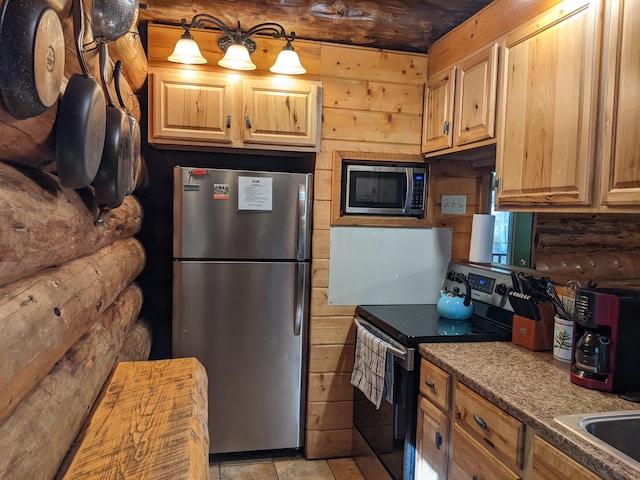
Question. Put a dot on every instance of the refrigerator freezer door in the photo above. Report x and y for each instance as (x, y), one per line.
(231, 214)
(240, 320)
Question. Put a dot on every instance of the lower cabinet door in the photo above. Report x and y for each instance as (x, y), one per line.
(472, 461)
(432, 442)
(549, 463)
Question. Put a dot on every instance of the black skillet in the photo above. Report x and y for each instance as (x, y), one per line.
(134, 127)
(31, 57)
(81, 122)
(113, 175)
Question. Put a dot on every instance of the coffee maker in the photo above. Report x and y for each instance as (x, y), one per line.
(606, 348)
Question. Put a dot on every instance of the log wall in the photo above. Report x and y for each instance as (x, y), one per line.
(69, 301)
(601, 248)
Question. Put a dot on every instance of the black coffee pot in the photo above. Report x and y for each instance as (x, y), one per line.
(592, 352)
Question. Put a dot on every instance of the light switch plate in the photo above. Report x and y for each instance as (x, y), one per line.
(453, 204)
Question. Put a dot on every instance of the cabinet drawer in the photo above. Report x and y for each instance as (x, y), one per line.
(495, 429)
(435, 384)
(472, 460)
(549, 463)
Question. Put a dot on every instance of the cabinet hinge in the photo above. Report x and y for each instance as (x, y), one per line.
(495, 183)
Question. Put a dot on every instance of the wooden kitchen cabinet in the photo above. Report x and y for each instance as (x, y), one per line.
(470, 459)
(621, 156)
(203, 109)
(437, 128)
(433, 427)
(435, 385)
(546, 140)
(498, 431)
(432, 442)
(460, 103)
(281, 112)
(549, 463)
(476, 89)
(196, 108)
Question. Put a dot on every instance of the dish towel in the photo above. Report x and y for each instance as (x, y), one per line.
(370, 365)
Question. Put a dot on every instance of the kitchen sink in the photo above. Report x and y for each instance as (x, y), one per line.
(616, 432)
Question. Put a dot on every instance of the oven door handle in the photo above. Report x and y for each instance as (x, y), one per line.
(397, 351)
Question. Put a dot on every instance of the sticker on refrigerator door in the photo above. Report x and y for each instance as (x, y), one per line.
(255, 193)
(221, 191)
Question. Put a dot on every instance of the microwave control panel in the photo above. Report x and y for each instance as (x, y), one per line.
(417, 200)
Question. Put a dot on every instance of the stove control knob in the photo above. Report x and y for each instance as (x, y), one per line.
(501, 289)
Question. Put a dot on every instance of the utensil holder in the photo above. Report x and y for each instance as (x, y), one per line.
(536, 335)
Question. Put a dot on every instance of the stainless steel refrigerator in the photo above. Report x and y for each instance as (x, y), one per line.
(241, 276)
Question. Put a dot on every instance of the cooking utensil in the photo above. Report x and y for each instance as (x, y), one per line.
(81, 122)
(111, 19)
(134, 128)
(557, 303)
(113, 174)
(31, 57)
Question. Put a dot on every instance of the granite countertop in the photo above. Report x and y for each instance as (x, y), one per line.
(534, 388)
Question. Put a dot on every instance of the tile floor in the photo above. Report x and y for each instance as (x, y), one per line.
(285, 468)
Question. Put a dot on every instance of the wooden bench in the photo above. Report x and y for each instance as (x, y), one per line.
(149, 422)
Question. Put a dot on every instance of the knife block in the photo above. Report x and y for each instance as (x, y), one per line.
(536, 335)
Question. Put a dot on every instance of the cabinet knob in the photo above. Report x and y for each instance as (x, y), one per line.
(481, 423)
(228, 121)
(430, 384)
(445, 128)
(247, 121)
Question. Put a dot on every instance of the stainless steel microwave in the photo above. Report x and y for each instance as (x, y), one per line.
(384, 189)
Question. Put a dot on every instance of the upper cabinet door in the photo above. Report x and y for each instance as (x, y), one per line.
(437, 129)
(545, 150)
(476, 97)
(285, 114)
(196, 109)
(621, 155)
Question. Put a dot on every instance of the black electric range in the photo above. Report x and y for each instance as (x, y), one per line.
(390, 431)
(415, 324)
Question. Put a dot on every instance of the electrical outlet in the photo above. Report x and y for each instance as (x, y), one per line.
(453, 204)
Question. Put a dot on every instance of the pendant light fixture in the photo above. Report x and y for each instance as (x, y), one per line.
(237, 45)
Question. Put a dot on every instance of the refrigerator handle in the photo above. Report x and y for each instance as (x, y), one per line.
(302, 223)
(299, 297)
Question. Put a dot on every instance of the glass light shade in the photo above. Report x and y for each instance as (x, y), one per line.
(186, 51)
(237, 58)
(288, 63)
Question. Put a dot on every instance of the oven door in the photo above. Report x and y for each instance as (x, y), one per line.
(389, 432)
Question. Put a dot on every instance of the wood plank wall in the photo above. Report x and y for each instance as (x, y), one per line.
(459, 177)
(372, 102)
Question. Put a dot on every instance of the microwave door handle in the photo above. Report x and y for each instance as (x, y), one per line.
(407, 197)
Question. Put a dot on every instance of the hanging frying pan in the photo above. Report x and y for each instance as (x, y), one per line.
(31, 57)
(113, 174)
(81, 122)
(134, 128)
